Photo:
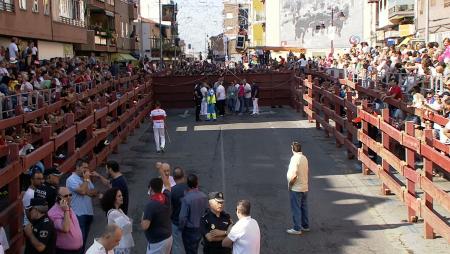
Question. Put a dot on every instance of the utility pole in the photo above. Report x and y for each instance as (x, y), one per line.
(427, 21)
(160, 36)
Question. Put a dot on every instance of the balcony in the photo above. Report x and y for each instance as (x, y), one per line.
(6, 5)
(72, 22)
(401, 11)
(107, 5)
(127, 44)
(99, 41)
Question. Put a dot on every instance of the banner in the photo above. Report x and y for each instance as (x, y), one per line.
(168, 11)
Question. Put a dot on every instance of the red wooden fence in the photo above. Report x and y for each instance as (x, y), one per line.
(134, 104)
(321, 103)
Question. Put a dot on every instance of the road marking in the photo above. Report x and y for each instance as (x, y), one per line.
(185, 115)
(181, 128)
(222, 161)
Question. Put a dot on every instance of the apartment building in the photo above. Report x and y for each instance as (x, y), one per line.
(54, 25)
(155, 35)
(110, 29)
(235, 22)
(438, 22)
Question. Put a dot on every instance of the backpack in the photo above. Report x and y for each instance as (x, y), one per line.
(241, 91)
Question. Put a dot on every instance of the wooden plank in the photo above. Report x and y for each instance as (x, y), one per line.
(433, 219)
(82, 125)
(390, 131)
(439, 196)
(28, 116)
(10, 172)
(38, 154)
(64, 136)
(435, 156)
(410, 142)
(69, 164)
(99, 113)
(12, 121)
(113, 106)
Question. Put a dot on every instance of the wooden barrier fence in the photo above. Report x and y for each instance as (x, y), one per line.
(321, 102)
(133, 105)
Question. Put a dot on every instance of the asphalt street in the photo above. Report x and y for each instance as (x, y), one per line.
(247, 157)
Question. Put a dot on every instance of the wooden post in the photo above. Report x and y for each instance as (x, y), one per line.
(350, 117)
(411, 161)
(365, 130)
(386, 144)
(70, 120)
(338, 113)
(315, 99)
(47, 132)
(428, 169)
(310, 96)
(15, 226)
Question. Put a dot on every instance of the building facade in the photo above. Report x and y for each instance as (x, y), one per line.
(438, 21)
(55, 26)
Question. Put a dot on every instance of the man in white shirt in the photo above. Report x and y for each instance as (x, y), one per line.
(13, 50)
(37, 179)
(302, 63)
(204, 105)
(221, 97)
(106, 243)
(297, 177)
(244, 236)
(159, 116)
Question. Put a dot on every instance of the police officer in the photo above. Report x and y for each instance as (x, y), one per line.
(198, 97)
(49, 189)
(40, 234)
(214, 225)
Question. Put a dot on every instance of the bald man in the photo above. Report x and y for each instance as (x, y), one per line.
(107, 242)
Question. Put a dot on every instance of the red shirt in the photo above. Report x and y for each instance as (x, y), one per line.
(397, 91)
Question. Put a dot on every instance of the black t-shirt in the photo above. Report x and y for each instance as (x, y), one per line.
(255, 91)
(45, 233)
(159, 216)
(177, 194)
(47, 192)
(121, 184)
(210, 221)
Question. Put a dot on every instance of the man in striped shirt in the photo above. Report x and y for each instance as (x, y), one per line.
(158, 116)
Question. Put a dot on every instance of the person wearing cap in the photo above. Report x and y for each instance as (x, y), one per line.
(40, 235)
(69, 239)
(37, 179)
(215, 225)
(48, 190)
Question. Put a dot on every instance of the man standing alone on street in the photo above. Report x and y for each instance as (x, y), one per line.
(159, 116)
(193, 206)
(297, 177)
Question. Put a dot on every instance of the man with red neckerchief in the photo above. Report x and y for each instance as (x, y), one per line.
(156, 220)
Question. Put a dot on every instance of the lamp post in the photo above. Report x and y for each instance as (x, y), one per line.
(160, 36)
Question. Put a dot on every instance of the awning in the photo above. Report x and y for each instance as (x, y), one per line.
(405, 41)
(122, 57)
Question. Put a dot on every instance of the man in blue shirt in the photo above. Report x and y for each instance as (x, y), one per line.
(193, 206)
(82, 189)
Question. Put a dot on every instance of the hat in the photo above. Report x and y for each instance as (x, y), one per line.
(37, 202)
(52, 171)
(218, 196)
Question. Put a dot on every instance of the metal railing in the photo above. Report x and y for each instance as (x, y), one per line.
(4, 6)
(72, 22)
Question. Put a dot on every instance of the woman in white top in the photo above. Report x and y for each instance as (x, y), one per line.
(111, 201)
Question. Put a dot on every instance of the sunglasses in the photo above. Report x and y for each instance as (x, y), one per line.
(66, 196)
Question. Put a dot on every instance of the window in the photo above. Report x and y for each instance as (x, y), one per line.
(7, 5)
(35, 7)
(23, 4)
(46, 7)
(446, 3)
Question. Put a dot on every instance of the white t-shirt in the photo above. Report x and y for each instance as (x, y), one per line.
(26, 87)
(29, 194)
(302, 62)
(248, 91)
(442, 137)
(34, 51)
(172, 183)
(246, 236)
(12, 50)
(97, 248)
(158, 116)
(220, 93)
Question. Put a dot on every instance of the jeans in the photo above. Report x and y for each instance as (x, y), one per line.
(85, 222)
(177, 245)
(241, 104)
(299, 207)
(231, 104)
(191, 240)
(221, 107)
(248, 102)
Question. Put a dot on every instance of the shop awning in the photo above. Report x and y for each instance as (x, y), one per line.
(122, 57)
(405, 41)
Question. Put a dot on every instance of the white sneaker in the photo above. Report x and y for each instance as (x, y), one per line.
(293, 232)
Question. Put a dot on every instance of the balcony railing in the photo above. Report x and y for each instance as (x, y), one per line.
(404, 10)
(4, 6)
(71, 22)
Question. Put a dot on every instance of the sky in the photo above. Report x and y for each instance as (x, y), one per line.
(197, 19)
